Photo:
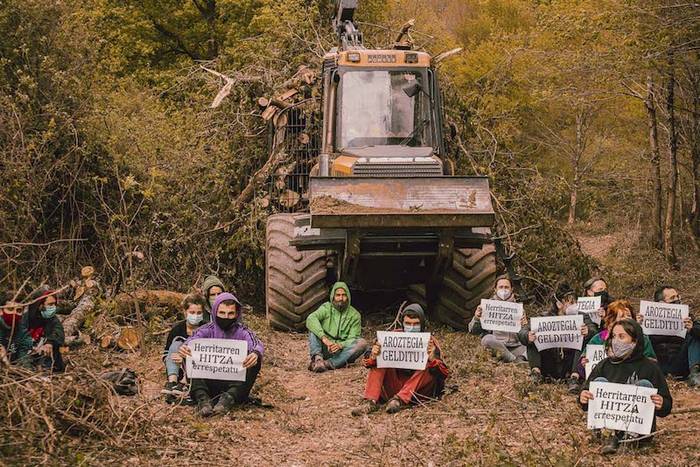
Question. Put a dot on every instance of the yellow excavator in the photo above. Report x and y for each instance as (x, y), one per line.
(384, 212)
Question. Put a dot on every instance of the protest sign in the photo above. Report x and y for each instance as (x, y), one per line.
(663, 319)
(594, 354)
(557, 332)
(624, 407)
(589, 306)
(406, 350)
(498, 315)
(217, 359)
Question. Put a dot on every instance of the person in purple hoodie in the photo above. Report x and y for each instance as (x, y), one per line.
(226, 324)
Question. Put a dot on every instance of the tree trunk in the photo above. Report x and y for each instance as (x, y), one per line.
(695, 154)
(656, 209)
(576, 164)
(669, 247)
(573, 198)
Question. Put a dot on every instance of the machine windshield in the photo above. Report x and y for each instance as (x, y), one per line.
(377, 108)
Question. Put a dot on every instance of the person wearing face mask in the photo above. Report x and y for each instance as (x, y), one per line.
(626, 364)
(334, 332)
(598, 287)
(504, 345)
(678, 356)
(15, 342)
(46, 332)
(226, 324)
(193, 309)
(401, 388)
(554, 364)
(212, 287)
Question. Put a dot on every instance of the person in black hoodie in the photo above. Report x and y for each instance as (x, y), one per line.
(626, 364)
(46, 331)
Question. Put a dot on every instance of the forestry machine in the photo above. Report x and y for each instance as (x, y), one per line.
(384, 212)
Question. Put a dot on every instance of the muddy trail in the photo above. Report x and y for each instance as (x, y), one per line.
(490, 415)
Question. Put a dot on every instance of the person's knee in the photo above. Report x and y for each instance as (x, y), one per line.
(601, 379)
(645, 383)
(359, 346)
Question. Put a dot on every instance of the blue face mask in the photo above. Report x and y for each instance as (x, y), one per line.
(194, 320)
(48, 312)
(411, 328)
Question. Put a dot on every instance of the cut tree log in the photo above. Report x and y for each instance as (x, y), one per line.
(289, 199)
(263, 102)
(287, 95)
(269, 112)
(304, 138)
(127, 338)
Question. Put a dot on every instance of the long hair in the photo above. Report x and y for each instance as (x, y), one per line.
(615, 310)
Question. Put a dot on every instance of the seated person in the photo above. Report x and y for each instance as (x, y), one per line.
(597, 287)
(678, 356)
(46, 332)
(555, 364)
(504, 345)
(193, 309)
(226, 324)
(403, 387)
(211, 288)
(626, 364)
(334, 332)
(15, 342)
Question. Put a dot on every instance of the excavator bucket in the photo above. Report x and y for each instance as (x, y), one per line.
(391, 202)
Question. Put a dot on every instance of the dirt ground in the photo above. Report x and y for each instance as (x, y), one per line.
(490, 415)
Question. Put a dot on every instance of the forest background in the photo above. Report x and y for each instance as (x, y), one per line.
(585, 115)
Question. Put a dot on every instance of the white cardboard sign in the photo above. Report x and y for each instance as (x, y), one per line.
(499, 315)
(405, 350)
(595, 353)
(624, 407)
(220, 359)
(554, 332)
(589, 306)
(663, 319)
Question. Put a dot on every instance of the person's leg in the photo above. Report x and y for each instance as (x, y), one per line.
(348, 354)
(200, 392)
(57, 365)
(490, 342)
(240, 390)
(375, 381)
(693, 361)
(534, 357)
(316, 347)
(421, 382)
(172, 369)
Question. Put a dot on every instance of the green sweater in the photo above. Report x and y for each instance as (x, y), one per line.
(341, 327)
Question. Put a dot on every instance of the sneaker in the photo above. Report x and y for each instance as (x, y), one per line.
(574, 386)
(611, 446)
(694, 377)
(179, 389)
(536, 377)
(366, 407)
(169, 386)
(321, 365)
(314, 363)
(204, 408)
(225, 404)
(394, 405)
(521, 361)
(170, 399)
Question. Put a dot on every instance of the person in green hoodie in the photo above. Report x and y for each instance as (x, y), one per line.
(334, 332)
(15, 341)
(212, 287)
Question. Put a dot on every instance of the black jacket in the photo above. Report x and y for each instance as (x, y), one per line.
(634, 368)
(667, 347)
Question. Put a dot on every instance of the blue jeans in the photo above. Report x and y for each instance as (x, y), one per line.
(644, 383)
(347, 354)
(172, 368)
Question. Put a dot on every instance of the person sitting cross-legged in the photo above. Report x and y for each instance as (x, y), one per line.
(401, 388)
(334, 332)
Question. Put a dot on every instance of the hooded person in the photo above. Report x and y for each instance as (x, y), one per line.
(334, 332)
(211, 288)
(46, 332)
(626, 364)
(227, 323)
(15, 342)
(505, 345)
(398, 387)
(556, 364)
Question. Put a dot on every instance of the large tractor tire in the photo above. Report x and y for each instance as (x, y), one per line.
(470, 279)
(295, 281)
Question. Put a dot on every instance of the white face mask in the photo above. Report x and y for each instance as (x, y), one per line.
(503, 294)
(194, 320)
(571, 309)
(411, 328)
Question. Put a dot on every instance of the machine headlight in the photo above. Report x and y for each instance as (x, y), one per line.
(411, 57)
(354, 57)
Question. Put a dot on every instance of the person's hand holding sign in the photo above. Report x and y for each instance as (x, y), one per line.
(585, 397)
(688, 323)
(184, 351)
(640, 318)
(531, 336)
(657, 400)
(478, 312)
(251, 360)
(376, 350)
(431, 351)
